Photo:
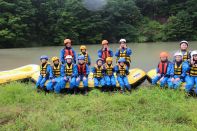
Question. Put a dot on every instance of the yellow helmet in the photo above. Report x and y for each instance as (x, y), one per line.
(55, 58)
(83, 47)
(109, 59)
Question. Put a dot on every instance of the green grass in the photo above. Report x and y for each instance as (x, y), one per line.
(149, 108)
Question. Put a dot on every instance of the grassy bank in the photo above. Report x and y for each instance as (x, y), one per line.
(149, 108)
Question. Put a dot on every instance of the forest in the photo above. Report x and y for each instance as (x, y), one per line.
(26, 23)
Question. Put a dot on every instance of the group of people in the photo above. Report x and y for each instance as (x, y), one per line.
(72, 68)
(182, 69)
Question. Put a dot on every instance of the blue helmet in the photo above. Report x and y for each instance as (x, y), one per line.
(81, 57)
(99, 60)
(121, 60)
(44, 57)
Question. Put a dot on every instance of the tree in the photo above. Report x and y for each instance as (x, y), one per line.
(15, 22)
(179, 27)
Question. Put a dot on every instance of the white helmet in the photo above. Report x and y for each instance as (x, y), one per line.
(184, 41)
(194, 52)
(122, 40)
(68, 57)
(178, 54)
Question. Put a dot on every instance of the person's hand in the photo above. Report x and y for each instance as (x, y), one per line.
(65, 78)
(161, 79)
(158, 74)
(107, 47)
(120, 48)
(192, 62)
(172, 79)
(84, 78)
(177, 79)
(53, 80)
(78, 79)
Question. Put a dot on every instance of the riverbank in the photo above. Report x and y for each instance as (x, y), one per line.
(148, 108)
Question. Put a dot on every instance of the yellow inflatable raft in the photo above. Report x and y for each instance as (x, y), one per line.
(152, 73)
(18, 73)
(135, 77)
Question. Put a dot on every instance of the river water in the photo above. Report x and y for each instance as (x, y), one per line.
(145, 55)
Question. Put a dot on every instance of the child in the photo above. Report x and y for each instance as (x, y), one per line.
(56, 74)
(109, 74)
(179, 70)
(191, 79)
(82, 73)
(98, 73)
(67, 50)
(105, 51)
(122, 71)
(163, 70)
(86, 55)
(124, 52)
(184, 50)
(45, 72)
(68, 74)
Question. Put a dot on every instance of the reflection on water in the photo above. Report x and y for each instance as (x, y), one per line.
(145, 55)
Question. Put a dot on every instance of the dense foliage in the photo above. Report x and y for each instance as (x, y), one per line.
(48, 22)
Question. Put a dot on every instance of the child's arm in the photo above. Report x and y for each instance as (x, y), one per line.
(75, 56)
(129, 51)
(75, 71)
(117, 53)
(62, 71)
(89, 60)
(87, 70)
(111, 53)
(185, 69)
(49, 70)
(99, 53)
(62, 56)
(127, 71)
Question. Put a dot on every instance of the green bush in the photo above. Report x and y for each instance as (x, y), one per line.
(151, 31)
(179, 27)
